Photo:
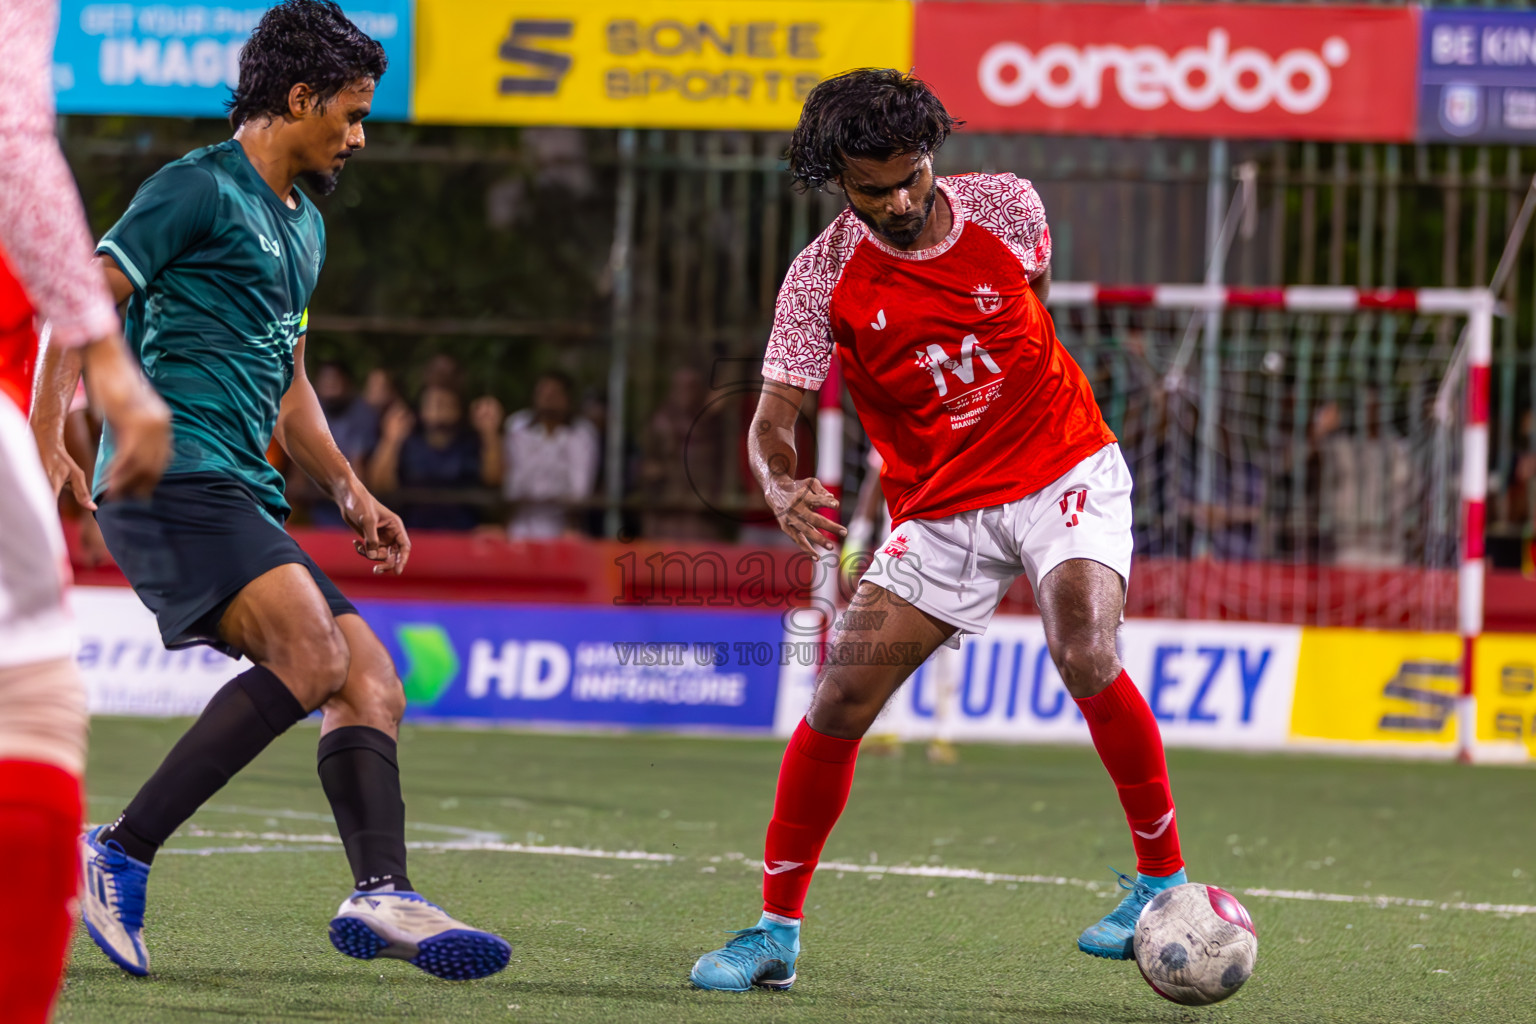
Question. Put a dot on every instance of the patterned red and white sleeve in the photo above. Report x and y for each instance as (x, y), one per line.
(42, 221)
(800, 346)
(1010, 208)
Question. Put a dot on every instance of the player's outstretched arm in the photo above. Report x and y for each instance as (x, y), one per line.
(771, 452)
(306, 437)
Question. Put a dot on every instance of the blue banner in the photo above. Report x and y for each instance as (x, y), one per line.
(648, 668)
(182, 59)
(1477, 76)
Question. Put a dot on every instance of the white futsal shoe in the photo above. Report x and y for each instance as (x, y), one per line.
(406, 926)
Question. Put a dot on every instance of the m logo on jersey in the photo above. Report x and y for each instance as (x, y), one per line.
(938, 362)
(267, 245)
(987, 298)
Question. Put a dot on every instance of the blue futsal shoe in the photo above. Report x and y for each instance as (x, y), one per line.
(112, 904)
(406, 926)
(1113, 936)
(763, 955)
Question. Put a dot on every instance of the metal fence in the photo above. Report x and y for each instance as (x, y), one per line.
(646, 264)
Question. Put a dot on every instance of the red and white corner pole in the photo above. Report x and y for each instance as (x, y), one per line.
(829, 470)
(1474, 501)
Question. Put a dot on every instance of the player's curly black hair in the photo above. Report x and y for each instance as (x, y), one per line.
(867, 112)
(307, 41)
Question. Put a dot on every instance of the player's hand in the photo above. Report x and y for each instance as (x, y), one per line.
(486, 416)
(143, 434)
(383, 539)
(794, 503)
(61, 467)
(140, 421)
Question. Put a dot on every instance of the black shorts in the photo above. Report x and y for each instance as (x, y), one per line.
(193, 546)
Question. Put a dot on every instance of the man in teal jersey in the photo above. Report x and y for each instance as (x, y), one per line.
(217, 256)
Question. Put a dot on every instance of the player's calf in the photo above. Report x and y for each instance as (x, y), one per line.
(42, 753)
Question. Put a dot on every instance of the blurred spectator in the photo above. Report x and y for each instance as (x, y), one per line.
(551, 461)
(443, 371)
(439, 454)
(354, 421)
(1364, 484)
(354, 424)
(1229, 520)
(379, 391)
(681, 469)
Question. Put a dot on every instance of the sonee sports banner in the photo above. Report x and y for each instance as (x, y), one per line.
(645, 63)
(1213, 70)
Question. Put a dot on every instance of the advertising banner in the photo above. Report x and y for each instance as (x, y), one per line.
(647, 668)
(1477, 76)
(1504, 680)
(1212, 70)
(1210, 684)
(182, 59)
(644, 63)
(127, 671)
(1390, 691)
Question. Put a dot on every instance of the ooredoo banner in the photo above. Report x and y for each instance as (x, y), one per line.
(1213, 70)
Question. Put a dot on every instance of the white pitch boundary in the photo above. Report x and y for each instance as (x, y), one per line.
(288, 842)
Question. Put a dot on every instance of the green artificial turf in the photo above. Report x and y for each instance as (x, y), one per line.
(240, 936)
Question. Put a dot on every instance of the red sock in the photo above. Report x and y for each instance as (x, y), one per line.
(1131, 747)
(40, 818)
(814, 780)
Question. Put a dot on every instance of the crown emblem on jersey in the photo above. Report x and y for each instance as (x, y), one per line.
(987, 298)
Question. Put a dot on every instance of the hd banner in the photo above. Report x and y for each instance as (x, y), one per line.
(644, 63)
(578, 666)
(1208, 70)
(1477, 76)
(181, 59)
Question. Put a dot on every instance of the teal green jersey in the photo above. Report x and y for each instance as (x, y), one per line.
(222, 272)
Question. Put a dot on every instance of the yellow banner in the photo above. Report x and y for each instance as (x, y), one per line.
(1504, 680)
(1365, 686)
(644, 63)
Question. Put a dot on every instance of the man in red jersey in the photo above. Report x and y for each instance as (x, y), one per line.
(45, 268)
(997, 463)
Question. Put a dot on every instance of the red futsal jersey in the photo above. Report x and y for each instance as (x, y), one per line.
(952, 362)
(18, 341)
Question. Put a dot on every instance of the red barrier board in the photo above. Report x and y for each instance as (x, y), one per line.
(1213, 70)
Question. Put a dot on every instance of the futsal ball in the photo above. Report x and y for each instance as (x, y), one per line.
(1195, 944)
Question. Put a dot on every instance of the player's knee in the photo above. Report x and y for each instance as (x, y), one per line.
(1087, 666)
(316, 664)
(45, 716)
(389, 699)
(840, 708)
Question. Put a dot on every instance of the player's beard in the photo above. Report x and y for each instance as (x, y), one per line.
(321, 184)
(901, 231)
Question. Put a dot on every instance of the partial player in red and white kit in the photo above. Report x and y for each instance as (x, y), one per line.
(997, 463)
(45, 267)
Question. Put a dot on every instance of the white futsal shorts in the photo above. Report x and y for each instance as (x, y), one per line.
(959, 568)
(34, 564)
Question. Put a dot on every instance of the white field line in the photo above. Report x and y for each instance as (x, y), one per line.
(288, 842)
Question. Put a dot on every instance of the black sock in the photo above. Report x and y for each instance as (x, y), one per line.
(361, 779)
(242, 719)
